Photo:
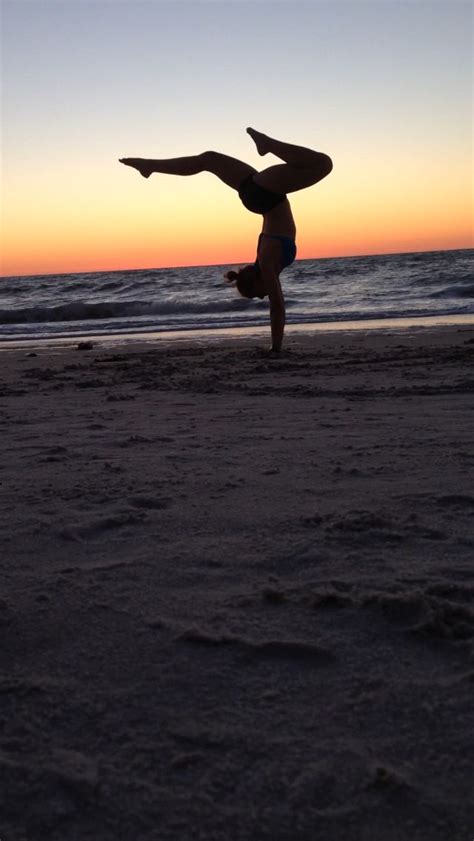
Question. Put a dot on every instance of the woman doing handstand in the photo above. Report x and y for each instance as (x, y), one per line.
(260, 192)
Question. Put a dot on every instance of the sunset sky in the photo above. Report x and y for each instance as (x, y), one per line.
(383, 87)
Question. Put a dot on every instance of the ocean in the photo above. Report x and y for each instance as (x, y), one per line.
(376, 287)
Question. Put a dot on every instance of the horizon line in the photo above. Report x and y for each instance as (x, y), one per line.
(210, 265)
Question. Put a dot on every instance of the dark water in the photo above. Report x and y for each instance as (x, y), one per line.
(339, 289)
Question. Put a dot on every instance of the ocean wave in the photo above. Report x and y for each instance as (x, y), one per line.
(460, 290)
(81, 311)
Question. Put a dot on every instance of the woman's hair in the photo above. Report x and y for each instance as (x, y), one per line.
(244, 280)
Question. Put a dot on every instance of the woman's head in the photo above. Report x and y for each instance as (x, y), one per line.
(248, 282)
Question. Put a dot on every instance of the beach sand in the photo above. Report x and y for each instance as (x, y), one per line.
(237, 591)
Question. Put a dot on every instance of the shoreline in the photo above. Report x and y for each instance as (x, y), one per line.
(220, 334)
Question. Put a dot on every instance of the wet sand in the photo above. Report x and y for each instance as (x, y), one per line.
(237, 591)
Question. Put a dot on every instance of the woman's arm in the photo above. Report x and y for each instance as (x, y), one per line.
(277, 307)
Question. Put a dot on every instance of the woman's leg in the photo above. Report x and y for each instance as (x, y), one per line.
(230, 170)
(302, 168)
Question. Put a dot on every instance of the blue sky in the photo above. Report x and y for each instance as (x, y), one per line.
(148, 72)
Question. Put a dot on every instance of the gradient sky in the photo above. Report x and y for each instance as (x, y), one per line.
(384, 87)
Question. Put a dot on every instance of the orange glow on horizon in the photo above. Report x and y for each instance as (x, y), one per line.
(90, 221)
(128, 259)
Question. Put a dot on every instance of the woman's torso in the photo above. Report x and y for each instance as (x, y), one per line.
(271, 251)
(279, 221)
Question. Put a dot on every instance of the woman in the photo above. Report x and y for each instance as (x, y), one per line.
(260, 192)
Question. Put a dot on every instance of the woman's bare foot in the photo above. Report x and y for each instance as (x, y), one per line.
(261, 141)
(144, 166)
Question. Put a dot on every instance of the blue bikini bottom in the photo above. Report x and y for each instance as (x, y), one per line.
(288, 249)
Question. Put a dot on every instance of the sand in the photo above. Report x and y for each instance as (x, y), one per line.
(237, 591)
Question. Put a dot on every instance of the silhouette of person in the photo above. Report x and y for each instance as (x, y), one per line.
(260, 192)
